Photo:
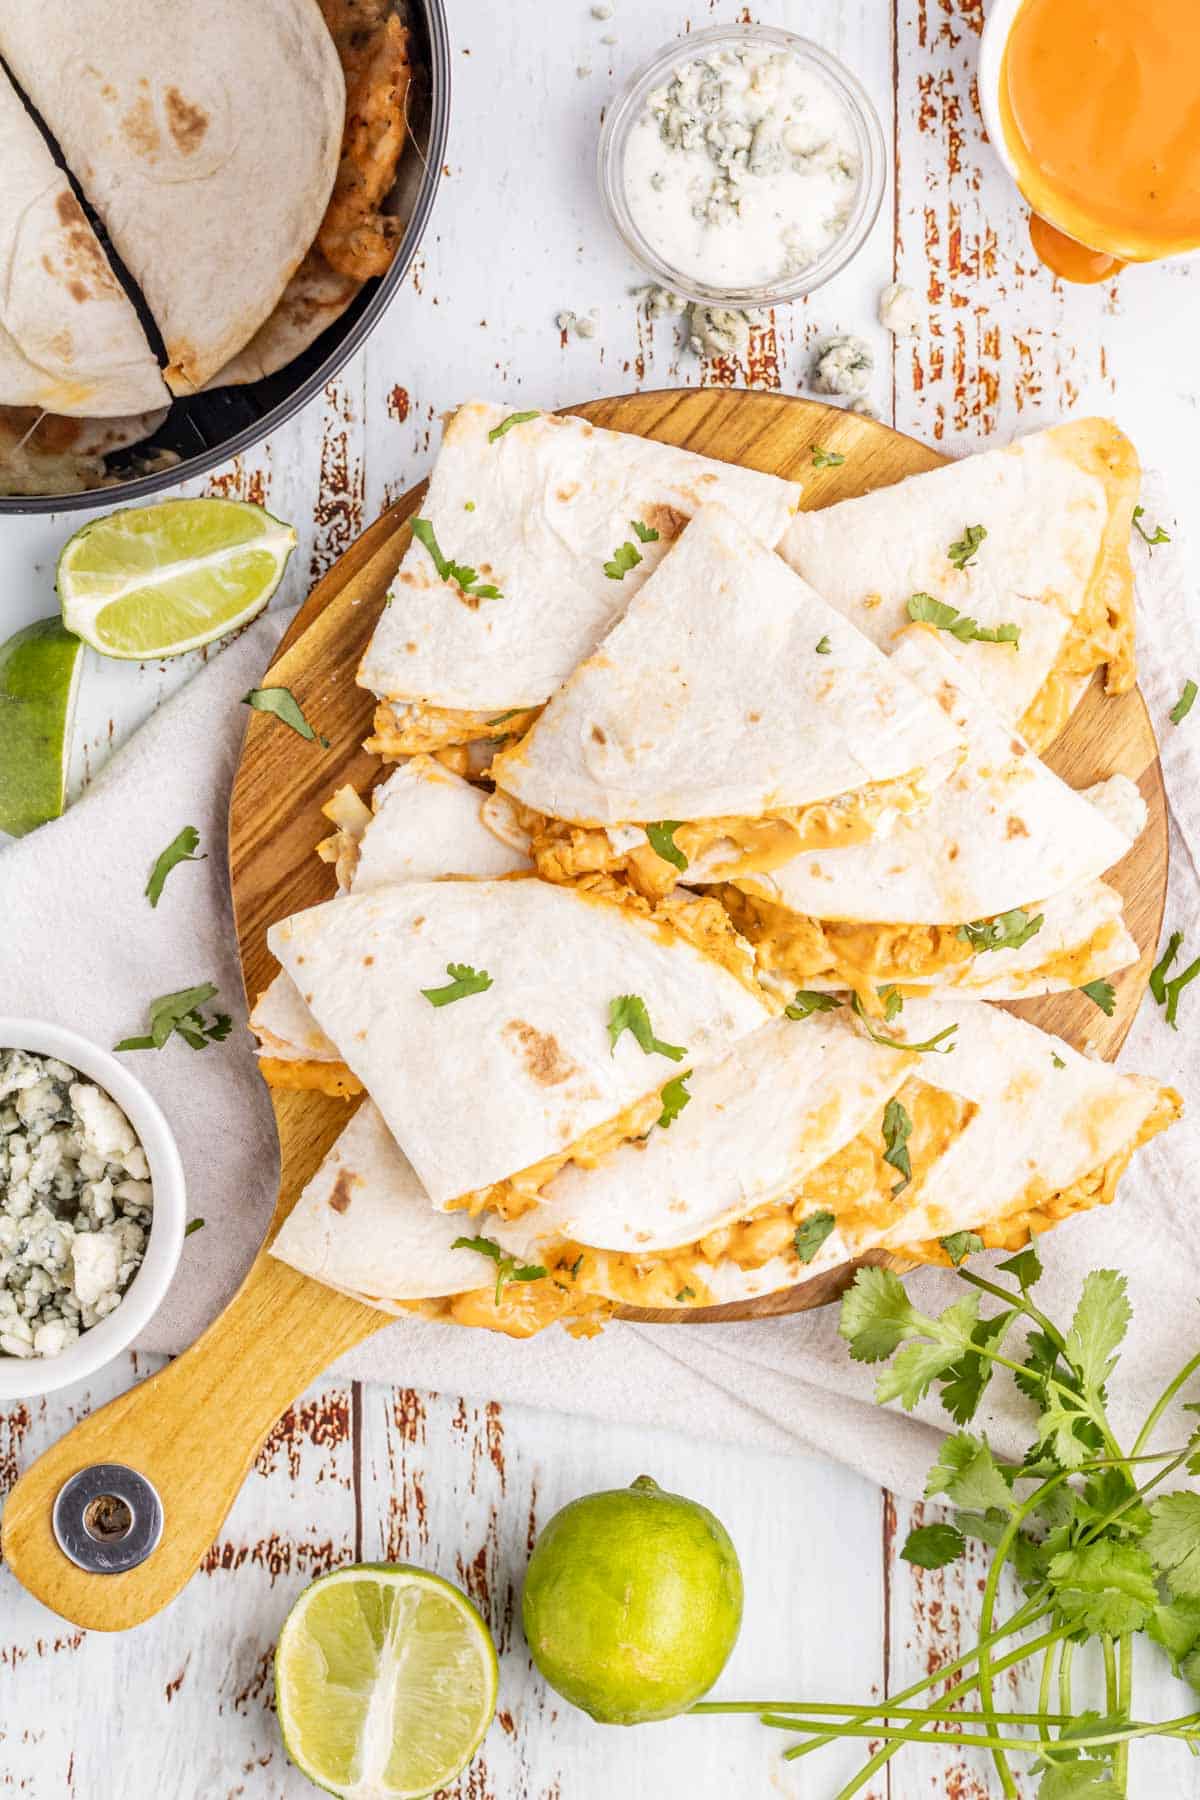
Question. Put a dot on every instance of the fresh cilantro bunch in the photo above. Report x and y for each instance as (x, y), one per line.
(1102, 1549)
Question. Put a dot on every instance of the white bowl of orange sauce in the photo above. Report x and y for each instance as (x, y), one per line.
(1093, 107)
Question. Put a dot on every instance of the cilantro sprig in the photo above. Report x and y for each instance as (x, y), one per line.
(507, 1267)
(179, 1014)
(923, 609)
(1185, 702)
(1158, 536)
(963, 553)
(628, 1013)
(826, 459)
(1007, 931)
(460, 575)
(805, 1002)
(1104, 1550)
(661, 837)
(286, 708)
(674, 1097)
(506, 425)
(810, 1234)
(1168, 993)
(181, 848)
(464, 980)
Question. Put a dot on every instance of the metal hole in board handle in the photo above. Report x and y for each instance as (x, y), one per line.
(107, 1519)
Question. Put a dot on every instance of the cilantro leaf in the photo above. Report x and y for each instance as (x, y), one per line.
(1106, 1586)
(967, 1380)
(1159, 537)
(1083, 1779)
(1173, 1543)
(459, 575)
(193, 1226)
(624, 558)
(824, 647)
(1103, 994)
(283, 703)
(876, 1315)
(646, 533)
(1059, 1427)
(1184, 704)
(969, 1476)
(507, 1267)
(805, 1003)
(826, 459)
(897, 1129)
(1158, 974)
(506, 425)
(180, 849)
(1025, 1266)
(1007, 931)
(964, 551)
(1175, 1628)
(923, 609)
(662, 841)
(1057, 1060)
(810, 1234)
(933, 1546)
(893, 1003)
(961, 1244)
(503, 718)
(180, 1012)
(932, 1044)
(1173, 990)
(674, 1097)
(686, 1293)
(912, 1373)
(1100, 1323)
(464, 980)
(628, 1013)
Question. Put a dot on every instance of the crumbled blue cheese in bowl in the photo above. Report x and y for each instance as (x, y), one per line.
(746, 164)
(76, 1203)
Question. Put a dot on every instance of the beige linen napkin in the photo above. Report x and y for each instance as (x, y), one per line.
(78, 944)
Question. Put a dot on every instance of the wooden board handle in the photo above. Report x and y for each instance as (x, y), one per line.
(193, 1430)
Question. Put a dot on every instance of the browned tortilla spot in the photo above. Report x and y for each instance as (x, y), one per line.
(139, 127)
(598, 736)
(342, 1193)
(542, 1054)
(668, 521)
(186, 121)
(1015, 827)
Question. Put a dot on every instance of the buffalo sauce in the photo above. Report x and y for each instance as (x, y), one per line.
(1100, 109)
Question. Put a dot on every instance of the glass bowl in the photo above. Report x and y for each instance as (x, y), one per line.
(627, 108)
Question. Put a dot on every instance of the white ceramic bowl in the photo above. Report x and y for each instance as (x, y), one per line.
(627, 108)
(22, 1378)
(1000, 17)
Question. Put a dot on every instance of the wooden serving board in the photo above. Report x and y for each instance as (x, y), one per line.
(195, 1428)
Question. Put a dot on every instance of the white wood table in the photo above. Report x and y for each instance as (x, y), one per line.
(183, 1707)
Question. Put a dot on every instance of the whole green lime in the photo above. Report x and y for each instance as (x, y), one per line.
(632, 1603)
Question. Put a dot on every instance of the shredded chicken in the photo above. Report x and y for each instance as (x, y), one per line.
(357, 237)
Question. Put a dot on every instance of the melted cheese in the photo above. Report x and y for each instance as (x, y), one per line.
(516, 1194)
(565, 851)
(1102, 631)
(523, 1309)
(332, 1078)
(698, 918)
(408, 728)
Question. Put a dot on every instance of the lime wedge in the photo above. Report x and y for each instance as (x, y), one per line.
(385, 1682)
(39, 672)
(158, 580)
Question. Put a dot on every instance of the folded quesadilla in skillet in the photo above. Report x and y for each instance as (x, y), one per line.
(1005, 1136)
(730, 720)
(535, 534)
(1032, 540)
(561, 1012)
(70, 340)
(992, 888)
(176, 119)
(423, 823)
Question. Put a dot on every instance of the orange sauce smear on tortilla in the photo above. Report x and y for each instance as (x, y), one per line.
(1100, 109)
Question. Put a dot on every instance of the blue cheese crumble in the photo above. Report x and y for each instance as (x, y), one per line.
(75, 1204)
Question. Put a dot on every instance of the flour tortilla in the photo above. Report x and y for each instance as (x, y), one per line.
(364, 1224)
(426, 824)
(709, 699)
(1046, 502)
(485, 1087)
(70, 341)
(1046, 1117)
(206, 134)
(552, 501)
(768, 1113)
(313, 300)
(1001, 832)
(48, 453)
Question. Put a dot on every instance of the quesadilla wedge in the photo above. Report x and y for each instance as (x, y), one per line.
(70, 341)
(176, 120)
(535, 534)
(561, 1012)
(1032, 538)
(365, 1226)
(993, 887)
(730, 720)
(423, 823)
(1004, 1137)
(48, 453)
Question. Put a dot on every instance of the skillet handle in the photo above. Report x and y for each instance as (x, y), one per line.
(193, 1431)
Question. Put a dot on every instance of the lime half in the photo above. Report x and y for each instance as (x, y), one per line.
(385, 1682)
(158, 580)
(39, 672)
